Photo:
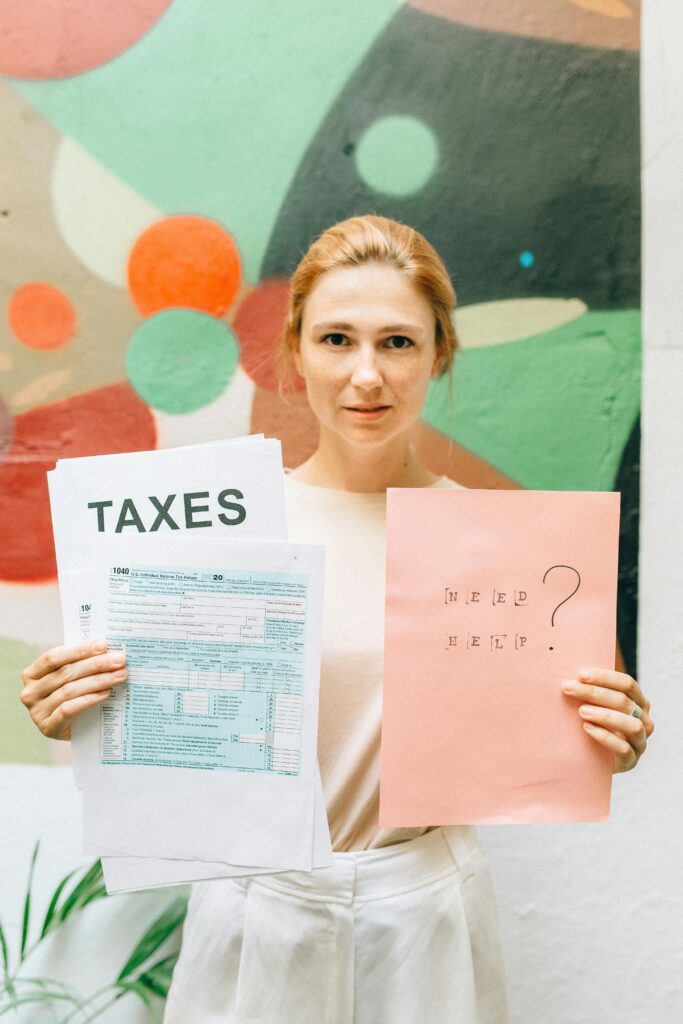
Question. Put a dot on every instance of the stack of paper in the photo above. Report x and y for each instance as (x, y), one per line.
(203, 764)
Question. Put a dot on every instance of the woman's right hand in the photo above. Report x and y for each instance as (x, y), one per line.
(64, 681)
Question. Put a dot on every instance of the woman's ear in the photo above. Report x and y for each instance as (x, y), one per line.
(436, 366)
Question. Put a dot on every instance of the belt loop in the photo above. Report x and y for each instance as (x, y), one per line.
(462, 840)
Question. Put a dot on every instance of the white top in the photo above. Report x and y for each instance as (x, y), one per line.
(352, 527)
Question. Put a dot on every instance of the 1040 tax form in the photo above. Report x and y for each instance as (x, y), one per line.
(210, 746)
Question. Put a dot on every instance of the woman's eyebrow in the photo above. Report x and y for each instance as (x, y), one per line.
(339, 326)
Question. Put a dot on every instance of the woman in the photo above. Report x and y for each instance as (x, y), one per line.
(403, 926)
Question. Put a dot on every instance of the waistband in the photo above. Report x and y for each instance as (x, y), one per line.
(388, 871)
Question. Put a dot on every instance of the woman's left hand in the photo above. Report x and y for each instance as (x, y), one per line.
(608, 699)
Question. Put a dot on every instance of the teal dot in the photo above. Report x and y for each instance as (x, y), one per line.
(526, 259)
(397, 155)
(180, 360)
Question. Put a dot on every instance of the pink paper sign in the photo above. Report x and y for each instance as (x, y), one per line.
(493, 598)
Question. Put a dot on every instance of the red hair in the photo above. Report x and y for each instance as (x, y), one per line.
(371, 239)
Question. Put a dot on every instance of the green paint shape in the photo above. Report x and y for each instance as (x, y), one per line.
(180, 360)
(553, 411)
(397, 155)
(20, 740)
(212, 110)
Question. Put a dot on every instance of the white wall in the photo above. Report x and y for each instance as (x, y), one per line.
(89, 951)
(592, 915)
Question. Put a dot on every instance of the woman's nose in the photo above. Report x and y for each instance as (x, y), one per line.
(366, 372)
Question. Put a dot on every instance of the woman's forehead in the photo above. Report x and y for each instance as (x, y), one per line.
(369, 295)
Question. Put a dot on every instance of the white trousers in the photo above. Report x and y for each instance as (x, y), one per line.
(397, 935)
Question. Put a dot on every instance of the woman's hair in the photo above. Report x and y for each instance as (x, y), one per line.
(370, 239)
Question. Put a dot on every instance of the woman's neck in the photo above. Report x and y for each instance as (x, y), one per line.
(365, 471)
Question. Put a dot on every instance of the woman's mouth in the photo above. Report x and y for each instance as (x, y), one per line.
(367, 412)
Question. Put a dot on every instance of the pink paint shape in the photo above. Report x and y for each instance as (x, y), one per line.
(57, 38)
(616, 26)
(475, 727)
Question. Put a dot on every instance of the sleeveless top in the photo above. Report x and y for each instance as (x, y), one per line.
(352, 528)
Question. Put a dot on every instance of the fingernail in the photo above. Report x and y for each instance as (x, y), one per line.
(121, 674)
(586, 712)
(117, 659)
(585, 674)
(105, 693)
(99, 645)
(569, 686)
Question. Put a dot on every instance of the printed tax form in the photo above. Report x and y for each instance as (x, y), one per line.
(211, 745)
(206, 695)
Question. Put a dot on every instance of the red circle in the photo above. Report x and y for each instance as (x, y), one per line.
(258, 323)
(6, 430)
(41, 316)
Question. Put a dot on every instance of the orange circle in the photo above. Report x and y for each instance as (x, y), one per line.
(41, 316)
(185, 261)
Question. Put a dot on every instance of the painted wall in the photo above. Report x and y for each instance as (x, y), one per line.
(167, 169)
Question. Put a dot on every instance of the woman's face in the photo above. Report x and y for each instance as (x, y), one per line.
(367, 352)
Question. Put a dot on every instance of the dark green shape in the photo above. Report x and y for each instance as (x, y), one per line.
(539, 151)
(553, 411)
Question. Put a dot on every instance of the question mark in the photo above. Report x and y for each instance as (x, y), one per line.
(552, 620)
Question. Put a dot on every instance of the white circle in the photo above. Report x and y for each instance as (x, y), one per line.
(98, 215)
(229, 415)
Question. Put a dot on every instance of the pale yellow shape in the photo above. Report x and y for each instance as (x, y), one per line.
(98, 215)
(496, 323)
(38, 390)
(610, 8)
(6, 362)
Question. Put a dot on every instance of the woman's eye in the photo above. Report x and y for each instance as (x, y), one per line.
(401, 341)
(336, 340)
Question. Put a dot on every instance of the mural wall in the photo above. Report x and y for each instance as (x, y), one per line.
(166, 163)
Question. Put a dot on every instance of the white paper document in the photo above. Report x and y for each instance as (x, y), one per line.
(226, 488)
(127, 874)
(222, 644)
(203, 764)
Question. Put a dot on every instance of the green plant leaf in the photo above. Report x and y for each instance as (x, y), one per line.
(46, 983)
(96, 894)
(97, 1011)
(50, 919)
(156, 979)
(27, 902)
(164, 926)
(138, 989)
(93, 879)
(42, 997)
(5, 951)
